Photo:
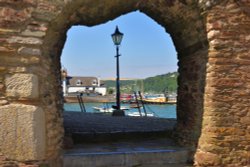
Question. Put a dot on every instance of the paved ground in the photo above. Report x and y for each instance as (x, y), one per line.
(79, 122)
(108, 141)
(137, 153)
(136, 145)
(134, 153)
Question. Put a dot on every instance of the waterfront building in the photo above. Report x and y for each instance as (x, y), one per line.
(89, 86)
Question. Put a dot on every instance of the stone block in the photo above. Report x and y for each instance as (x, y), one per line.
(207, 159)
(2, 68)
(3, 102)
(1, 86)
(25, 40)
(36, 27)
(29, 51)
(8, 30)
(34, 33)
(22, 85)
(22, 132)
(12, 17)
(20, 2)
(6, 49)
(17, 69)
(212, 34)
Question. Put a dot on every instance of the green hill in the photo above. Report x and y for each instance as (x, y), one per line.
(160, 83)
(156, 84)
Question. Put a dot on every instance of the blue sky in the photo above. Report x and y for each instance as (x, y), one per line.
(146, 49)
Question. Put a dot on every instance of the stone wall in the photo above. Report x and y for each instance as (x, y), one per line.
(225, 135)
(211, 38)
(30, 109)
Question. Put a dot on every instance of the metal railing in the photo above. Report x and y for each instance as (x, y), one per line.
(80, 101)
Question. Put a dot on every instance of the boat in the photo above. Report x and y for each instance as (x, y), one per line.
(134, 105)
(103, 109)
(126, 98)
(106, 109)
(137, 114)
(158, 99)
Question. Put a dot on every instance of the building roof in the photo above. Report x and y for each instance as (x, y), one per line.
(82, 81)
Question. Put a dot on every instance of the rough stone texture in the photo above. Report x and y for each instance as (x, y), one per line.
(22, 85)
(225, 137)
(212, 40)
(24, 40)
(190, 97)
(29, 51)
(22, 132)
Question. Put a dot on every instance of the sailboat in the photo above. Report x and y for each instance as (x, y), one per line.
(106, 109)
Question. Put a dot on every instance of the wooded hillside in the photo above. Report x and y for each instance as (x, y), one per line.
(156, 84)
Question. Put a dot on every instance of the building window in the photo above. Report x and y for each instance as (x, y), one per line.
(94, 82)
(78, 82)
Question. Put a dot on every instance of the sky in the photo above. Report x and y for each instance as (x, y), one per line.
(146, 49)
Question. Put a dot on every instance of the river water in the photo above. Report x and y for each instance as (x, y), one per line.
(161, 111)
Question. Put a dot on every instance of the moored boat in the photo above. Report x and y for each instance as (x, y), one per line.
(106, 109)
(137, 114)
(159, 99)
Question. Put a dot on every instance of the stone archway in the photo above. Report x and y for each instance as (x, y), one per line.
(192, 53)
(33, 34)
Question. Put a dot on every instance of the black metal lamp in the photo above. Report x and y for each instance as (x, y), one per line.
(117, 38)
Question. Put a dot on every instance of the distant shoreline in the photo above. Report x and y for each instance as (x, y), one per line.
(90, 99)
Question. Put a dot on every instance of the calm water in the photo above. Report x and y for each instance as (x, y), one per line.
(162, 111)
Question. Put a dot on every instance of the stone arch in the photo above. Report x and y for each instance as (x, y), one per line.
(190, 42)
(33, 34)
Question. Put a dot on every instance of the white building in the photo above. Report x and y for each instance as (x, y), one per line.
(86, 85)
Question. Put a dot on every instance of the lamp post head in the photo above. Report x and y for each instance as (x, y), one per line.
(117, 36)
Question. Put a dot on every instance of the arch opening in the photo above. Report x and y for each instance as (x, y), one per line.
(149, 53)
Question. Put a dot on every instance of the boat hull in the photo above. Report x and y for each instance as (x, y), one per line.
(157, 102)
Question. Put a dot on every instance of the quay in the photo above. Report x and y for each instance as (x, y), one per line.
(104, 140)
(84, 126)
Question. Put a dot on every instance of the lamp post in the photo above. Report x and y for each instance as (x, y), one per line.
(117, 38)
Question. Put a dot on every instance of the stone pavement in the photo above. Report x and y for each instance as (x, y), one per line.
(98, 124)
(158, 152)
(108, 141)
